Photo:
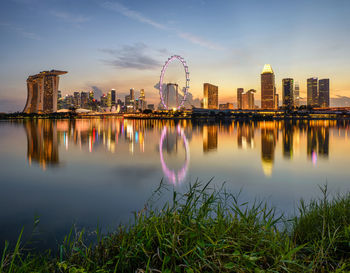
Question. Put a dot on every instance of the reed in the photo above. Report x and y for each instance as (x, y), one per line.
(207, 230)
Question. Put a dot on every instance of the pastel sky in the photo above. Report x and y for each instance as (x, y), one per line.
(106, 44)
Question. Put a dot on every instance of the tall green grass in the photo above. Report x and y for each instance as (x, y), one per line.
(207, 230)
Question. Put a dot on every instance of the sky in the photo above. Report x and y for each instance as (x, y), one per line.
(105, 44)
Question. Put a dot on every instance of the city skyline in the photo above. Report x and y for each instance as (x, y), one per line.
(120, 45)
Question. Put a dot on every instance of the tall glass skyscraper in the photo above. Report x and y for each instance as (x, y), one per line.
(113, 97)
(323, 90)
(312, 92)
(211, 96)
(239, 97)
(296, 95)
(287, 93)
(268, 89)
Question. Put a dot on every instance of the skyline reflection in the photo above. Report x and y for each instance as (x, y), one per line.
(46, 138)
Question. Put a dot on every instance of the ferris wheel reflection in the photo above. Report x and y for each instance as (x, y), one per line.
(176, 177)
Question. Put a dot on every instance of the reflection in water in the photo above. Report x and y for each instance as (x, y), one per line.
(245, 135)
(269, 136)
(176, 177)
(45, 136)
(317, 140)
(42, 142)
(210, 138)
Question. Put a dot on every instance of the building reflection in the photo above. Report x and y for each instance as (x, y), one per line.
(210, 138)
(118, 135)
(269, 137)
(42, 145)
(317, 140)
(245, 135)
(287, 137)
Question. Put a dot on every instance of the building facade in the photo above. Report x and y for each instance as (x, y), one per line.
(323, 90)
(211, 96)
(287, 93)
(239, 97)
(113, 97)
(248, 99)
(268, 89)
(42, 92)
(84, 100)
(312, 92)
(296, 95)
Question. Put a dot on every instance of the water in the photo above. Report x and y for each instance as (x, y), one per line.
(93, 172)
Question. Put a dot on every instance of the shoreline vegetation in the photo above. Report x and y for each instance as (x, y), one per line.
(206, 230)
(197, 113)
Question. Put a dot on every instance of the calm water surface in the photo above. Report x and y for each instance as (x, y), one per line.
(93, 172)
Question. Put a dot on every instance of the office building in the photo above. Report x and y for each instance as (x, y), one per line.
(287, 93)
(211, 97)
(77, 100)
(239, 97)
(323, 93)
(248, 99)
(42, 92)
(296, 95)
(127, 100)
(84, 99)
(268, 89)
(59, 100)
(142, 94)
(142, 105)
(113, 97)
(312, 92)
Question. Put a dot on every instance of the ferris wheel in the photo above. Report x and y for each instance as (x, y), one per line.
(187, 75)
(175, 176)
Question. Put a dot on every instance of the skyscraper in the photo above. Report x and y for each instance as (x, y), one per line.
(42, 92)
(312, 92)
(77, 100)
(296, 95)
(132, 94)
(132, 97)
(287, 93)
(211, 96)
(113, 97)
(239, 97)
(142, 100)
(248, 99)
(323, 89)
(142, 94)
(268, 89)
(84, 99)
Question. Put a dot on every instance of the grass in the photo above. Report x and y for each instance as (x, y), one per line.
(206, 230)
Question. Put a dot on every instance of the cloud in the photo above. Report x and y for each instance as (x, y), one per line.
(21, 31)
(199, 41)
(340, 101)
(70, 18)
(132, 14)
(131, 56)
(194, 39)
